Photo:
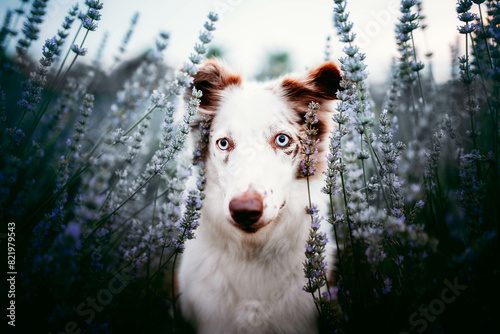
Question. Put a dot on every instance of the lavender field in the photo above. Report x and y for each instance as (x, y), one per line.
(100, 187)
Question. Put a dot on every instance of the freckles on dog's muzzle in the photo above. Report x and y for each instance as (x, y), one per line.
(246, 210)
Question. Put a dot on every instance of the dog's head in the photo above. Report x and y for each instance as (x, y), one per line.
(254, 151)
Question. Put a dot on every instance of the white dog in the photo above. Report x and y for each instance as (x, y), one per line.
(243, 273)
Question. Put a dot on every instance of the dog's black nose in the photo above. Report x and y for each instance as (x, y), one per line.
(246, 209)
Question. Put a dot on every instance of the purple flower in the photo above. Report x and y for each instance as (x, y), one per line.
(78, 50)
(73, 230)
(387, 286)
(315, 267)
(307, 164)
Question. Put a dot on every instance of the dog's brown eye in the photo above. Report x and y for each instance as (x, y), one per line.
(282, 140)
(223, 144)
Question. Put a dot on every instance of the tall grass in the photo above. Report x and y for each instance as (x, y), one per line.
(94, 177)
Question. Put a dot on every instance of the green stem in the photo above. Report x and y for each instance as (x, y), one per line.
(99, 142)
(108, 196)
(110, 127)
(412, 94)
(375, 159)
(335, 234)
(490, 109)
(46, 104)
(134, 215)
(140, 120)
(349, 227)
(103, 219)
(471, 107)
(174, 296)
(364, 171)
(418, 72)
(45, 107)
(484, 33)
(43, 206)
(390, 183)
(14, 24)
(440, 192)
(20, 120)
(312, 220)
(67, 54)
(467, 52)
(428, 184)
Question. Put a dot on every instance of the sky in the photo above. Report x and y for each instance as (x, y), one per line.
(250, 29)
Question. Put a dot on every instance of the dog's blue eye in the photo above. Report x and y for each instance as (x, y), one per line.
(223, 144)
(282, 140)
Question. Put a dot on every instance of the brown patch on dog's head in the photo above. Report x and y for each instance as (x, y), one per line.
(212, 78)
(317, 85)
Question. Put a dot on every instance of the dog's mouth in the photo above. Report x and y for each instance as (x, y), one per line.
(251, 227)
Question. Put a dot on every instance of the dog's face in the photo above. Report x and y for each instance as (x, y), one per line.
(254, 152)
(255, 147)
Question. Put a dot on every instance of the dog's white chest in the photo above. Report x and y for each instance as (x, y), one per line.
(222, 295)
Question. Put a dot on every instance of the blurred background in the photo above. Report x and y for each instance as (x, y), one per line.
(253, 35)
(91, 205)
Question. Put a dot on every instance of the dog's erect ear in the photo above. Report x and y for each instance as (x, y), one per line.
(319, 85)
(213, 77)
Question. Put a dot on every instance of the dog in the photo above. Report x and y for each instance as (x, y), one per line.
(243, 272)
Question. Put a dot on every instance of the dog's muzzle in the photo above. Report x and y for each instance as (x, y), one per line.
(246, 211)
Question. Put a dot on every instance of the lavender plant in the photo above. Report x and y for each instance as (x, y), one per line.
(96, 182)
(315, 269)
(95, 211)
(409, 21)
(30, 27)
(5, 30)
(66, 28)
(9, 32)
(126, 39)
(388, 237)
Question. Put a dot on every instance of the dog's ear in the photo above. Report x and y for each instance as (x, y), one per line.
(213, 77)
(319, 85)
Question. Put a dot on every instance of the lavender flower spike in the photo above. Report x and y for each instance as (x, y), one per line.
(309, 149)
